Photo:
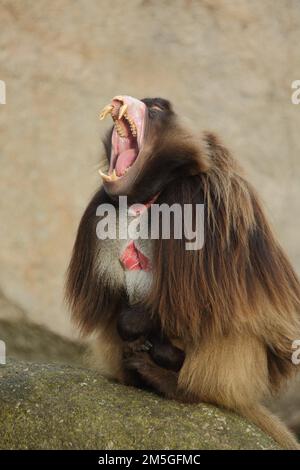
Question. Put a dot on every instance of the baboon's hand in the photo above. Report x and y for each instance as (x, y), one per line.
(130, 348)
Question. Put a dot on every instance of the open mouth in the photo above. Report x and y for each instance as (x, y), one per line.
(128, 115)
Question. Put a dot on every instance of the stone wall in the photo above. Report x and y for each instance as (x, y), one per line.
(227, 66)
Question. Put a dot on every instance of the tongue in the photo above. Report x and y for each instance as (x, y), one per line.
(125, 159)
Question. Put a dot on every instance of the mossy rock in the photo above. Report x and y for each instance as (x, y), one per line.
(49, 406)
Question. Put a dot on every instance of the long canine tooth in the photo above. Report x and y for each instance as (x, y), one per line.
(114, 176)
(105, 111)
(122, 111)
(104, 176)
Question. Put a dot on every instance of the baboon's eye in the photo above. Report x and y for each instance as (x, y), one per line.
(157, 107)
(155, 110)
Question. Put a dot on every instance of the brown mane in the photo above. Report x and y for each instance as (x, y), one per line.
(92, 298)
(241, 280)
(232, 306)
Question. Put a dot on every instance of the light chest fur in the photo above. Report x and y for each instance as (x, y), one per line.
(112, 260)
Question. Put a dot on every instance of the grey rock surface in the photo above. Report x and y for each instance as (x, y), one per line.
(48, 406)
(29, 341)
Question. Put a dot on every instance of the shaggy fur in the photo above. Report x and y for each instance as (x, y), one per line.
(233, 306)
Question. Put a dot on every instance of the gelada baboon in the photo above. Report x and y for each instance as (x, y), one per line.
(213, 325)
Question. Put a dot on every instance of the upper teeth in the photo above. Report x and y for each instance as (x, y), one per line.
(119, 129)
(132, 125)
(122, 111)
(122, 114)
(105, 111)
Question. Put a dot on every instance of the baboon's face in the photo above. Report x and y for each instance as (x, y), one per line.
(137, 143)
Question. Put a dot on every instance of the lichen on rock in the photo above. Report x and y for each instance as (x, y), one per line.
(52, 406)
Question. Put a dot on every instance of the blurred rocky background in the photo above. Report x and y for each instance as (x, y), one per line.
(226, 65)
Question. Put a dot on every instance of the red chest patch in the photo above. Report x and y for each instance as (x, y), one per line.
(133, 259)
